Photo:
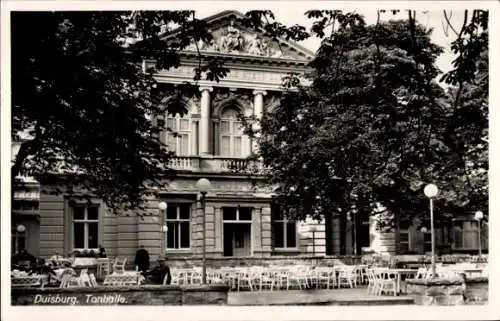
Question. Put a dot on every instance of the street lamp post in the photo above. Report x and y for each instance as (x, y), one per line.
(431, 191)
(312, 229)
(163, 208)
(203, 186)
(479, 216)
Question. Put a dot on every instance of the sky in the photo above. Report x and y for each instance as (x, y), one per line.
(290, 15)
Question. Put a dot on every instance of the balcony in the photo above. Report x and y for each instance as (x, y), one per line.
(209, 164)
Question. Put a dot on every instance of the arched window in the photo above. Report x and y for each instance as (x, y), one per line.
(231, 134)
(179, 135)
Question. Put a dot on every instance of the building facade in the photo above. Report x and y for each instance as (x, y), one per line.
(240, 220)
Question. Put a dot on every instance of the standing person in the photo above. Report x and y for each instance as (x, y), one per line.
(142, 259)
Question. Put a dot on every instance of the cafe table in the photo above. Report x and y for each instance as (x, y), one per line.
(398, 274)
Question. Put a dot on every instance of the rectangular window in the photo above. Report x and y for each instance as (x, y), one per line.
(231, 138)
(237, 146)
(283, 230)
(18, 241)
(225, 126)
(178, 138)
(178, 222)
(404, 241)
(225, 149)
(466, 235)
(86, 227)
(237, 214)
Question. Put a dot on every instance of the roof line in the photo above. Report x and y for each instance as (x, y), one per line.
(238, 14)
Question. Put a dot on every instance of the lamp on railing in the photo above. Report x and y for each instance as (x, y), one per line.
(431, 191)
(21, 228)
(162, 206)
(479, 216)
(203, 185)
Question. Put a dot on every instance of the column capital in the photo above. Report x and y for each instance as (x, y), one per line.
(259, 92)
(206, 88)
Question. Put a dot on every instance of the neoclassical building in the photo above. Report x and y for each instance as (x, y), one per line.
(209, 143)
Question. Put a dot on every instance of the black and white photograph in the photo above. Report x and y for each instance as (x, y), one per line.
(251, 155)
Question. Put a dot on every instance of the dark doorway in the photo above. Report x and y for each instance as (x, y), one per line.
(237, 239)
(362, 231)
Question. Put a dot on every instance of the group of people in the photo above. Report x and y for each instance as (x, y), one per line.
(155, 275)
(28, 262)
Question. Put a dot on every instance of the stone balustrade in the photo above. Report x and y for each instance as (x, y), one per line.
(214, 164)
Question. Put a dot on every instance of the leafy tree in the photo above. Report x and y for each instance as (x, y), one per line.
(468, 96)
(374, 126)
(79, 90)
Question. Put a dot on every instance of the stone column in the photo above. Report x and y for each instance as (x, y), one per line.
(219, 230)
(256, 231)
(258, 109)
(266, 230)
(204, 127)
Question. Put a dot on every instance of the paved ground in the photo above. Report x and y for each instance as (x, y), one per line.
(356, 296)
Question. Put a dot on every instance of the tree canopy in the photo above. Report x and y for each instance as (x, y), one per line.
(375, 127)
(79, 91)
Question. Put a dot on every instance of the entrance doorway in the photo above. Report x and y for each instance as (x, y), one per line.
(237, 231)
(362, 232)
(237, 239)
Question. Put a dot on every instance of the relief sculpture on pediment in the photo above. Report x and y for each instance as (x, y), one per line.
(233, 40)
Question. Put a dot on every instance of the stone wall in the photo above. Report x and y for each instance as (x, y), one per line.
(457, 291)
(105, 295)
(436, 291)
(476, 290)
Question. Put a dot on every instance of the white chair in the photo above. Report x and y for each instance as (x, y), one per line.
(325, 278)
(267, 281)
(347, 276)
(245, 281)
(196, 277)
(103, 267)
(119, 265)
(85, 278)
(385, 282)
(372, 281)
(297, 278)
(69, 280)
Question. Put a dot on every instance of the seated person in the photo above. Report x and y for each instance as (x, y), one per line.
(23, 260)
(157, 275)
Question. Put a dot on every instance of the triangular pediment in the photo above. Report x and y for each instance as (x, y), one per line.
(231, 38)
